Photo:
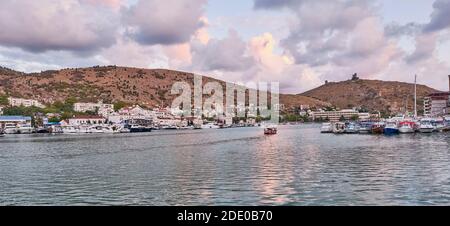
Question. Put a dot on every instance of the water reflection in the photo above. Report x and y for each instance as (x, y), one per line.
(298, 166)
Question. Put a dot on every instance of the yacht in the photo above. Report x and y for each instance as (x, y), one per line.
(446, 124)
(365, 127)
(96, 129)
(351, 128)
(391, 128)
(338, 128)
(70, 129)
(25, 129)
(377, 128)
(210, 126)
(110, 129)
(406, 127)
(270, 130)
(11, 128)
(326, 128)
(426, 126)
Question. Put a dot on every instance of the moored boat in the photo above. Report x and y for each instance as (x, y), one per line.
(365, 127)
(426, 126)
(338, 128)
(377, 128)
(406, 127)
(270, 130)
(351, 128)
(391, 128)
(11, 128)
(326, 128)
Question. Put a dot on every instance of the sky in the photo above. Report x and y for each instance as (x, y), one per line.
(298, 43)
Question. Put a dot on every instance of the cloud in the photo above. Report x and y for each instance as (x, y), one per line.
(73, 25)
(270, 4)
(440, 18)
(426, 44)
(167, 22)
(228, 54)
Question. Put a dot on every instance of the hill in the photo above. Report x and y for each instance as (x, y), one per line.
(372, 95)
(111, 84)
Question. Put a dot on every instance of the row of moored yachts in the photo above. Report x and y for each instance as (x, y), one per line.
(389, 127)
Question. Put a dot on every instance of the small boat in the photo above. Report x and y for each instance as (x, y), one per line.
(42, 130)
(446, 124)
(139, 129)
(270, 130)
(124, 130)
(96, 129)
(110, 129)
(377, 128)
(406, 127)
(365, 128)
(426, 126)
(338, 128)
(391, 128)
(210, 126)
(351, 128)
(438, 125)
(25, 129)
(11, 128)
(70, 129)
(326, 128)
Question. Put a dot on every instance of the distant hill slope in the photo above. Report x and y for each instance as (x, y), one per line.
(373, 95)
(148, 87)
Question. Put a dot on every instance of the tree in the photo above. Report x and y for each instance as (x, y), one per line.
(342, 118)
(355, 117)
(4, 100)
(119, 105)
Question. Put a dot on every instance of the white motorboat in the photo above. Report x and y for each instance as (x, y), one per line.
(70, 129)
(326, 128)
(11, 128)
(210, 126)
(406, 127)
(25, 129)
(96, 129)
(338, 128)
(351, 128)
(426, 126)
(110, 129)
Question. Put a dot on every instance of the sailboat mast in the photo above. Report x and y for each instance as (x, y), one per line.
(415, 96)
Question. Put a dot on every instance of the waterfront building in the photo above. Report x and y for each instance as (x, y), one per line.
(85, 120)
(17, 102)
(14, 120)
(102, 109)
(335, 116)
(1, 110)
(130, 113)
(437, 104)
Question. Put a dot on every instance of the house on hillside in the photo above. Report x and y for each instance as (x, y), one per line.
(17, 102)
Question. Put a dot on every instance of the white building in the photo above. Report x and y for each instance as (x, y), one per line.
(86, 120)
(135, 112)
(103, 109)
(17, 102)
(335, 116)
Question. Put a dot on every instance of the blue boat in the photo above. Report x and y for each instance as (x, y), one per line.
(391, 128)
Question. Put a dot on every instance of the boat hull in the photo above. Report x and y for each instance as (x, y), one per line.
(140, 130)
(406, 130)
(391, 131)
(11, 131)
(426, 130)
